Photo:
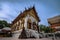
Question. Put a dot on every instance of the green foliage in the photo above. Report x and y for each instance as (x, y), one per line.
(45, 29)
(3, 23)
(48, 29)
(42, 27)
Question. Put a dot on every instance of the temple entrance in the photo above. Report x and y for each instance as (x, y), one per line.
(29, 24)
(34, 26)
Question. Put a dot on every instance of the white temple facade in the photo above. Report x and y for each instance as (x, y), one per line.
(28, 19)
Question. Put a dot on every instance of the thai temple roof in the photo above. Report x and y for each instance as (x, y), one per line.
(22, 14)
(55, 19)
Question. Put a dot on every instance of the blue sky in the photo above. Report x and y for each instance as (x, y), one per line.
(10, 9)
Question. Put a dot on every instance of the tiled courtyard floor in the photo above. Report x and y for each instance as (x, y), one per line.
(10, 38)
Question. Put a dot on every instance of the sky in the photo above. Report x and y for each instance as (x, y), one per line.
(10, 9)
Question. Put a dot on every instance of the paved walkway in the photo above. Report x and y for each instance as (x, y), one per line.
(6, 38)
(10, 38)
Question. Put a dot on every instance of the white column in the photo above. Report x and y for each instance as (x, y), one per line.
(25, 24)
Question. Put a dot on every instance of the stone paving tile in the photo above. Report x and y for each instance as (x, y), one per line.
(6, 38)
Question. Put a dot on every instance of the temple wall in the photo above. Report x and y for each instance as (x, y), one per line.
(18, 24)
(32, 20)
(55, 25)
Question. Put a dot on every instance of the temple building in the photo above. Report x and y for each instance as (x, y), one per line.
(28, 19)
(54, 22)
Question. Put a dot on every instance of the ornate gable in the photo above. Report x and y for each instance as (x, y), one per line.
(33, 13)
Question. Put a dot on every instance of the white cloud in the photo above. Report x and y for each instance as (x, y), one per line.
(3, 15)
(5, 12)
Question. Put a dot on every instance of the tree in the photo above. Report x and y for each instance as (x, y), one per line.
(46, 29)
(3, 24)
(42, 27)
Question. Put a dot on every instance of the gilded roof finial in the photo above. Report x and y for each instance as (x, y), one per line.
(34, 6)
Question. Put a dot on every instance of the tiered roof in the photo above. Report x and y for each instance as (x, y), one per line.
(54, 20)
(24, 13)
